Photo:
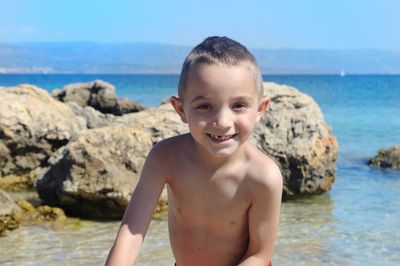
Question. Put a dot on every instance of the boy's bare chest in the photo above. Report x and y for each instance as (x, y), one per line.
(213, 201)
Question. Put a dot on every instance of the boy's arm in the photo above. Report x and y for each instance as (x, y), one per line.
(138, 214)
(264, 219)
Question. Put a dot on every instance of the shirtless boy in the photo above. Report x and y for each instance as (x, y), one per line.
(223, 193)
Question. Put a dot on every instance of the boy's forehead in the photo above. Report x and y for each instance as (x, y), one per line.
(219, 74)
(221, 78)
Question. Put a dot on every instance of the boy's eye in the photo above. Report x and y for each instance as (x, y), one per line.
(239, 106)
(204, 106)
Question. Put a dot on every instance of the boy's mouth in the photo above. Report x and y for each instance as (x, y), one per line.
(221, 138)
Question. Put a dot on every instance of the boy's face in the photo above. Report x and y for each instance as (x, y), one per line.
(221, 106)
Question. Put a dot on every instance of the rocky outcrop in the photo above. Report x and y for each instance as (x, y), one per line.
(161, 122)
(92, 172)
(294, 133)
(93, 118)
(387, 158)
(94, 175)
(32, 127)
(98, 94)
(10, 213)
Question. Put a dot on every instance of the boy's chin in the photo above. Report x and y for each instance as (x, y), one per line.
(222, 152)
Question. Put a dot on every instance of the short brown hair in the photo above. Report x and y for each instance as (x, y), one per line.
(219, 50)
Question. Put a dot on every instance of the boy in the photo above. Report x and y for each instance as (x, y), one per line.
(223, 193)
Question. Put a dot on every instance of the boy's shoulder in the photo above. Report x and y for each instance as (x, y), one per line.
(168, 144)
(263, 171)
(168, 148)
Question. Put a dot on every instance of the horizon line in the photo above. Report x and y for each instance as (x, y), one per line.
(190, 46)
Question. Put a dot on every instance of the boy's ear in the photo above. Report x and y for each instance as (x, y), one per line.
(262, 107)
(178, 106)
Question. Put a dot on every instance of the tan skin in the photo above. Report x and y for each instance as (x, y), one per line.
(223, 193)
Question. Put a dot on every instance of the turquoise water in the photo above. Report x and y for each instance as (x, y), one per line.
(356, 223)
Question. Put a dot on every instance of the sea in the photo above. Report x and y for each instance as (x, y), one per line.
(356, 223)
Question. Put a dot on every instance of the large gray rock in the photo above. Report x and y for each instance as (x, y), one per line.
(93, 118)
(95, 174)
(162, 122)
(32, 126)
(9, 213)
(387, 158)
(99, 95)
(294, 133)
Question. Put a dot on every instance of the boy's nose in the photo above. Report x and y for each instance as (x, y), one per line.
(222, 119)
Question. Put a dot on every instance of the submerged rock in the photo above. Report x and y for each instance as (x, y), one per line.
(33, 125)
(387, 158)
(15, 183)
(10, 213)
(99, 95)
(41, 213)
(294, 133)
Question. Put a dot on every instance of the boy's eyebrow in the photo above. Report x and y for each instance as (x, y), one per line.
(200, 97)
(240, 97)
(244, 97)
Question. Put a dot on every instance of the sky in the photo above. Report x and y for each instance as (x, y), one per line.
(295, 24)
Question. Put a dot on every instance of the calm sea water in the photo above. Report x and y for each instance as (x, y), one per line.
(356, 223)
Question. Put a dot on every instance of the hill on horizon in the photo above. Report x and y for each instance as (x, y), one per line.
(147, 58)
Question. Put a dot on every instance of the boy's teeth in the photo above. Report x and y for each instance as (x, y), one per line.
(217, 137)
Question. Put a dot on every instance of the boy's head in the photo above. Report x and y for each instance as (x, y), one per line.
(219, 51)
(220, 95)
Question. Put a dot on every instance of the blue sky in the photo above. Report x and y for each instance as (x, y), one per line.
(302, 24)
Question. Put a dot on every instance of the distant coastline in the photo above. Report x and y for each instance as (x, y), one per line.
(150, 58)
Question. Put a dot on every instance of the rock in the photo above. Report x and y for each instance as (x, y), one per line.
(94, 118)
(95, 174)
(47, 213)
(32, 126)
(293, 132)
(161, 122)
(15, 183)
(387, 158)
(10, 213)
(99, 95)
(26, 206)
(41, 213)
(99, 169)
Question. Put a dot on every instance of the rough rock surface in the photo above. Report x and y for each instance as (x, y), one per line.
(41, 213)
(32, 126)
(387, 158)
(95, 174)
(294, 133)
(9, 213)
(15, 183)
(93, 118)
(161, 122)
(99, 95)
